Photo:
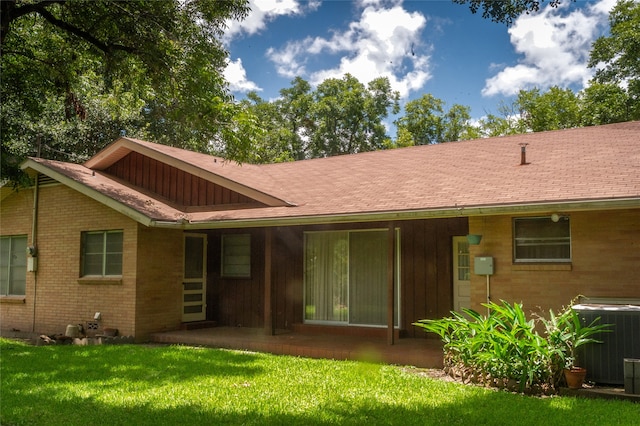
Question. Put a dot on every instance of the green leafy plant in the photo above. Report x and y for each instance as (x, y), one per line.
(504, 348)
(566, 333)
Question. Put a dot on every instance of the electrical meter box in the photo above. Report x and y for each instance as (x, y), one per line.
(483, 265)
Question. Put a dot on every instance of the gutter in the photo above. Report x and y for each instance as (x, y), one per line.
(458, 211)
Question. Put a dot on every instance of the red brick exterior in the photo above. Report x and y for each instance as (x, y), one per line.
(605, 262)
(146, 299)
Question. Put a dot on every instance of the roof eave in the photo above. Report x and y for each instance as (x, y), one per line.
(89, 192)
(447, 212)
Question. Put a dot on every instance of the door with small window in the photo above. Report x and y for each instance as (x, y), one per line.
(461, 274)
(194, 282)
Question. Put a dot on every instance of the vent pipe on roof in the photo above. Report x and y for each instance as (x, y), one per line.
(523, 154)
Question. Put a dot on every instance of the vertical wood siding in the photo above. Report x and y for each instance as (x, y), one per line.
(175, 185)
(426, 275)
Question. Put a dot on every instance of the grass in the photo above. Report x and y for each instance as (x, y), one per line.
(144, 385)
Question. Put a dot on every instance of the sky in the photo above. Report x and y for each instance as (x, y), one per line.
(427, 46)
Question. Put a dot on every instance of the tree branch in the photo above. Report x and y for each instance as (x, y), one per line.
(106, 48)
(10, 13)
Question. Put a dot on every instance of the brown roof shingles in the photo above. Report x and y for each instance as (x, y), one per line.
(586, 164)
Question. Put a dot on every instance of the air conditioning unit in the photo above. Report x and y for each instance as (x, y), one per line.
(605, 361)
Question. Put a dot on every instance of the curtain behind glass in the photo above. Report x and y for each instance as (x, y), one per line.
(326, 276)
(368, 277)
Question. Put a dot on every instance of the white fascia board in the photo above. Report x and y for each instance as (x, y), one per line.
(515, 209)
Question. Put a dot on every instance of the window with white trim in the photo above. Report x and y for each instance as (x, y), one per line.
(540, 239)
(236, 256)
(13, 265)
(102, 253)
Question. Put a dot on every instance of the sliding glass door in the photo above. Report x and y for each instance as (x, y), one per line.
(346, 277)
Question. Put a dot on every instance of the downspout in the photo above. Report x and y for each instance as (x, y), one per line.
(34, 231)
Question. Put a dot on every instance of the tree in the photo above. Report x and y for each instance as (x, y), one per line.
(294, 106)
(555, 109)
(603, 104)
(271, 142)
(456, 124)
(346, 117)
(616, 57)
(150, 69)
(427, 122)
(423, 119)
(505, 11)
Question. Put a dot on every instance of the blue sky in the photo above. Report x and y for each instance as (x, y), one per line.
(426, 46)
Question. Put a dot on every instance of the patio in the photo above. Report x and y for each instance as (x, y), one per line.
(425, 353)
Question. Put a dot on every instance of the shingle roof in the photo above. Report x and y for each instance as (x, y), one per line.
(599, 164)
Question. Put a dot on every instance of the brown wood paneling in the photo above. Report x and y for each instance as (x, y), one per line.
(154, 182)
(287, 277)
(145, 172)
(173, 184)
(426, 288)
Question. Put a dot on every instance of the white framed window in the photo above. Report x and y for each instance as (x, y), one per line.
(13, 265)
(102, 253)
(345, 277)
(236, 256)
(540, 239)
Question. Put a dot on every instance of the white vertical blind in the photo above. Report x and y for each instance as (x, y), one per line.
(345, 278)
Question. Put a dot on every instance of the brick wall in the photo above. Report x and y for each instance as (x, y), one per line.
(60, 297)
(64, 215)
(16, 212)
(605, 262)
(159, 290)
(146, 299)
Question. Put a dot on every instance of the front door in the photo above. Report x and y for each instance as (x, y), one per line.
(194, 282)
(461, 274)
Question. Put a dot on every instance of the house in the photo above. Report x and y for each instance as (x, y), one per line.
(146, 238)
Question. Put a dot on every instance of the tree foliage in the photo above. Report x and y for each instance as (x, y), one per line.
(76, 74)
(505, 11)
(341, 116)
(346, 116)
(555, 109)
(427, 122)
(616, 56)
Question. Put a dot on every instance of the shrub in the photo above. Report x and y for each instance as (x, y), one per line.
(503, 348)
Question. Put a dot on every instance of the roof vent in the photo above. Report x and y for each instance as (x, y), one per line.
(45, 180)
(523, 154)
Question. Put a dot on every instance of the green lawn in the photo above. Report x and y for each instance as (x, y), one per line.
(143, 385)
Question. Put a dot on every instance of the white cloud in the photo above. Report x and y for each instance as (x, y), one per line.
(262, 12)
(384, 42)
(236, 76)
(554, 45)
(265, 11)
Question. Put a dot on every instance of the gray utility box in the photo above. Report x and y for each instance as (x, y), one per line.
(483, 265)
(605, 361)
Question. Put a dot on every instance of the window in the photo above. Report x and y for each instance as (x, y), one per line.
(102, 253)
(236, 256)
(541, 240)
(13, 265)
(345, 277)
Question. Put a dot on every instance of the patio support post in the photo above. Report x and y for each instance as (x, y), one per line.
(390, 283)
(268, 291)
